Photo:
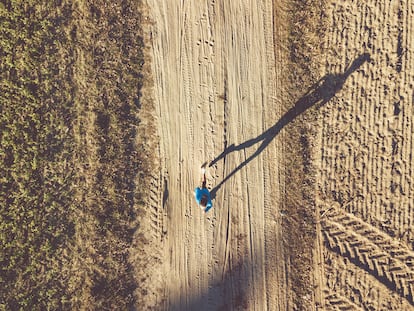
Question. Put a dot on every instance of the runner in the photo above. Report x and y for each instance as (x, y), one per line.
(202, 195)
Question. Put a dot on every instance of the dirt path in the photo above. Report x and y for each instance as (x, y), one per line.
(217, 84)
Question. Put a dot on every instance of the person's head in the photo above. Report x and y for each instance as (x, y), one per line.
(203, 201)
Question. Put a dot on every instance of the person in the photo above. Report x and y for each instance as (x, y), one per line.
(202, 195)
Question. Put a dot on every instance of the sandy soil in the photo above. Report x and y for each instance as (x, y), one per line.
(219, 71)
(366, 158)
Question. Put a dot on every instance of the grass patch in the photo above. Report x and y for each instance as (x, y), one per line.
(73, 161)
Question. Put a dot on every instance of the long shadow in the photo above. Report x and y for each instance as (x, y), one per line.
(317, 95)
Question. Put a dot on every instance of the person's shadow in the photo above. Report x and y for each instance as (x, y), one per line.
(317, 95)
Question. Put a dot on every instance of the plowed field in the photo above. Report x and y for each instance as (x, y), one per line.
(366, 159)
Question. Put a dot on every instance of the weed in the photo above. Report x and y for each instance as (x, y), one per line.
(306, 30)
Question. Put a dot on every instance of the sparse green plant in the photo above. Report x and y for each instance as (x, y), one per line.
(68, 194)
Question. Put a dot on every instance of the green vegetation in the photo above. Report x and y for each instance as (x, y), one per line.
(72, 159)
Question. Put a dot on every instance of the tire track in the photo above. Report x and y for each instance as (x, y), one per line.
(347, 280)
(389, 264)
(153, 205)
(394, 247)
(336, 302)
(276, 279)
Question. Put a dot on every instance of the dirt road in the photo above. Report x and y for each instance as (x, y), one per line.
(217, 84)
(221, 91)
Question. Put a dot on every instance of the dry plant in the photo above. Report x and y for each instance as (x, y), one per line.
(306, 30)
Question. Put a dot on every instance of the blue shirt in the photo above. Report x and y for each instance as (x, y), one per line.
(199, 192)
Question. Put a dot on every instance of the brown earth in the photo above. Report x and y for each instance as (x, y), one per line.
(312, 182)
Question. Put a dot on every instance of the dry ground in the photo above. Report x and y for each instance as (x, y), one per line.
(312, 186)
(366, 191)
